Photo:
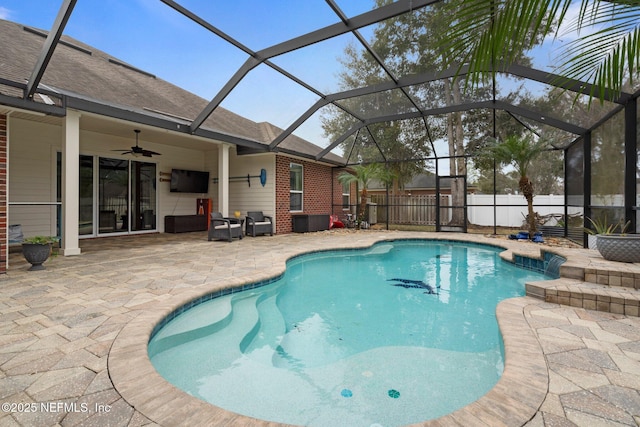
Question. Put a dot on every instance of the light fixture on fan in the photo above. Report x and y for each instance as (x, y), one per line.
(137, 150)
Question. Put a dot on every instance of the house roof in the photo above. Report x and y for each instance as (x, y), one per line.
(89, 76)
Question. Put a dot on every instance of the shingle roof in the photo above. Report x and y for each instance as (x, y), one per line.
(80, 69)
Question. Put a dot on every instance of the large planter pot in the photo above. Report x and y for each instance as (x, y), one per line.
(622, 248)
(36, 254)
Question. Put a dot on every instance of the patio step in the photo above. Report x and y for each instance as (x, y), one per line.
(587, 295)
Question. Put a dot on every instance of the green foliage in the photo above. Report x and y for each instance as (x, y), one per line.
(520, 152)
(602, 226)
(363, 175)
(490, 34)
(41, 240)
(517, 151)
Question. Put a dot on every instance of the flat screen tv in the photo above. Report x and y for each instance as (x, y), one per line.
(186, 181)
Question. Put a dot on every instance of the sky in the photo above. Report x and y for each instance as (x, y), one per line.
(153, 37)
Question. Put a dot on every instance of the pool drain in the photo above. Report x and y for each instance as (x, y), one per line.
(346, 392)
(394, 394)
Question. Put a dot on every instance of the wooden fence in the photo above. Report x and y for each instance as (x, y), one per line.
(414, 209)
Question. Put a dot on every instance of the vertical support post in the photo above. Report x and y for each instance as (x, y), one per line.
(586, 190)
(437, 198)
(4, 193)
(631, 159)
(223, 179)
(70, 178)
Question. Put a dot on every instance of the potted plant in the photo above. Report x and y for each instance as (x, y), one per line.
(614, 246)
(598, 227)
(37, 249)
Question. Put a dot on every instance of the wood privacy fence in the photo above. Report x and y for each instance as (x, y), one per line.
(414, 209)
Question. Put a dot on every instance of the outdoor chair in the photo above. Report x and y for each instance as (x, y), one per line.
(224, 228)
(257, 223)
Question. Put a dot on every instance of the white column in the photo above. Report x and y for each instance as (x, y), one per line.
(223, 179)
(70, 187)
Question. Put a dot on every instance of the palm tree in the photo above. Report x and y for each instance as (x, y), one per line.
(605, 53)
(363, 175)
(520, 152)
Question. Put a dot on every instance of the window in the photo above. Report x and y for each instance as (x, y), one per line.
(295, 179)
(346, 195)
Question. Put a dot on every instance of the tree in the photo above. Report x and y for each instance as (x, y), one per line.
(606, 52)
(519, 152)
(363, 175)
(411, 43)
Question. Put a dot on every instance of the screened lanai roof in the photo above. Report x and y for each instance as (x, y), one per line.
(284, 67)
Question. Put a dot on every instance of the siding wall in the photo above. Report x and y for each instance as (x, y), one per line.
(32, 175)
(244, 197)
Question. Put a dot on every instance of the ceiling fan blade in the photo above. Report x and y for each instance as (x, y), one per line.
(137, 150)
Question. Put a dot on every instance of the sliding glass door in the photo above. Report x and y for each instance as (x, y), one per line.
(143, 196)
(116, 195)
(113, 195)
(86, 222)
(127, 196)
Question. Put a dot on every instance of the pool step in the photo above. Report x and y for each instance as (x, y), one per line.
(200, 316)
(236, 318)
(200, 321)
(244, 322)
(308, 344)
(271, 326)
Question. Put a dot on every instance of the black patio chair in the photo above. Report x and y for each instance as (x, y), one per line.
(224, 228)
(258, 223)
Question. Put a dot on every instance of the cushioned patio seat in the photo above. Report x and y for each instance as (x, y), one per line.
(258, 223)
(224, 228)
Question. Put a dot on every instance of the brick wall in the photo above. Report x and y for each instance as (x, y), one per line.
(318, 190)
(337, 195)
(3, 193)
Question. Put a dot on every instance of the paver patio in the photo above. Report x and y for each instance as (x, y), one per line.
(58, 327)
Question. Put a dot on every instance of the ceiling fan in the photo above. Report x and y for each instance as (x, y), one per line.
(137, 150)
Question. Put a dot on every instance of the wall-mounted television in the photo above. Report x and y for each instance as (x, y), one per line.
(187, 181)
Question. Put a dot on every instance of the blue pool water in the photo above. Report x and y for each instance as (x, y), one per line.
(402, 332)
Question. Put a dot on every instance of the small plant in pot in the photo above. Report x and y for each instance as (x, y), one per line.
(37, 249)
(614, 246)
(598, 227)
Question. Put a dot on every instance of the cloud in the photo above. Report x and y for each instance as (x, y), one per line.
(5, 13)
(567, 30)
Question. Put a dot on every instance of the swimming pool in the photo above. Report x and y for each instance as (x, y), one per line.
(402, 332)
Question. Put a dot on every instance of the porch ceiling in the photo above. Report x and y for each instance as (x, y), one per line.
(122, 129)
